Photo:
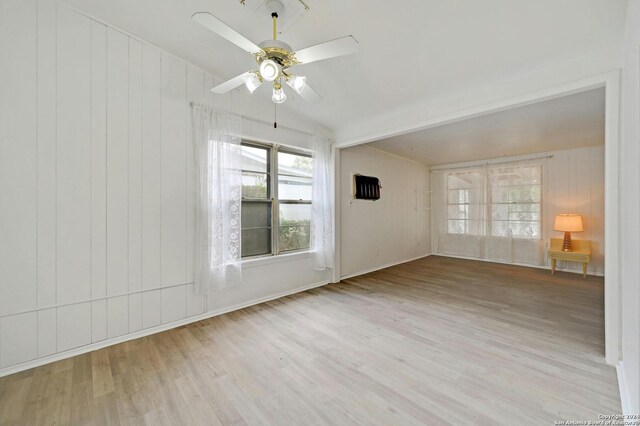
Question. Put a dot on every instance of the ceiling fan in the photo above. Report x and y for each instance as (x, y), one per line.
(275, 58)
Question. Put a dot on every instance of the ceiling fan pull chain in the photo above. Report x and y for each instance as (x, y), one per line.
(275, 115)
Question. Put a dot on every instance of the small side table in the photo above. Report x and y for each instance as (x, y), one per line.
(581, 253)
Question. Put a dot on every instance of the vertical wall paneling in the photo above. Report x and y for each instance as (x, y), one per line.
(47, 332)
(151, 167)
(74, 156)
(394, 217)
(98, 320)
(117, 162)
(151, 308)
(597, 195)
(98, 160)
(174, 125)
(19, 333)
(18, 147)
(195, 93)
(135, 312)
(46, 153)
(174, 303)
(74, 326)
(195, 302)
(117, 316)
(97, 184)
(135, 165)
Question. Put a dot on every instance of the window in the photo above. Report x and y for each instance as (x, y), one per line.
(276, 199)
(516, 201)
(464, 207)
(513, 207)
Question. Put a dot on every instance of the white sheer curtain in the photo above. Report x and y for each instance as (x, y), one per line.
(492, 211)
(459, 211)
(322, 205)
(218, 157)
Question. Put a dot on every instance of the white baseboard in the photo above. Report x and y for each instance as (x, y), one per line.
(570, 270)
(624, 390)
(152, 330)
(388, 265)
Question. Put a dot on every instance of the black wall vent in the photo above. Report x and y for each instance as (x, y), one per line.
(366, 187)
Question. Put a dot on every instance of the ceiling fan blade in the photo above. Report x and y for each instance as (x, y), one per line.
(309, 95)
(223, 30)
(330, 49)
(230, 84)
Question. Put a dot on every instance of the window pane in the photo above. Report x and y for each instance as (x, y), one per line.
(295, 165)
(254, 159)
(294, 230)
(524, 193)
(499, 194)
(254, 185)
(461, 196)
(524, 216)
(459, 211)
(294, 188)
(458, 227)
(516, 195)
(256, 241)
(465, 180)
(516, 229)
(524, 229)
(500, 211)
(256, 214)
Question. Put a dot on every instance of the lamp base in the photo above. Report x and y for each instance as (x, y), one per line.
(566, 243)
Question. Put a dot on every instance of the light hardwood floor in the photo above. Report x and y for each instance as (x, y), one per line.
(433, 341)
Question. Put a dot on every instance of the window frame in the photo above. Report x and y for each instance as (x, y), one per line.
(487, 189)
(298, 152)
(273, 194)
(508, 220)
(462, 205)
(267, 200)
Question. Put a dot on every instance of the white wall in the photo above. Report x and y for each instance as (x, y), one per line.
(576, 185)
(573, 183)
(97, 187)
(391, 230)
(629, 370)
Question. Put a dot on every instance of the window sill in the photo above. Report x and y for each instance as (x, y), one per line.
(267, 260)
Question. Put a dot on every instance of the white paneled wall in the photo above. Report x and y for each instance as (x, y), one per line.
(97, 187)
(576, 185)
(394, 229)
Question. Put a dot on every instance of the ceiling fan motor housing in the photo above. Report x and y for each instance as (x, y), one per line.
(278, 51)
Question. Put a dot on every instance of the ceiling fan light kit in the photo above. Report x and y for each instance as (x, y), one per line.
(275, 58)
(278, 94)
(252, 81)
(269, 70)
(297, 83)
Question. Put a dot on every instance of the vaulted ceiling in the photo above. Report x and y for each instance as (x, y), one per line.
(409, 50)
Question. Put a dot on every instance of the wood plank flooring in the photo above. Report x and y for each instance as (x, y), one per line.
(434, 341)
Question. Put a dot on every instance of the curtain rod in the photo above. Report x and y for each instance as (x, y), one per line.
(487, 163)
(258, 121)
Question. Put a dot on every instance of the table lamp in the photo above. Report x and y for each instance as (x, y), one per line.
(568, 223)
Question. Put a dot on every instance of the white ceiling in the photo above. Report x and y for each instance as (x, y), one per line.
(563, 123)
(410, 50)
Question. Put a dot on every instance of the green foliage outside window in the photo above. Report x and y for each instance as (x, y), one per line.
(294, 234)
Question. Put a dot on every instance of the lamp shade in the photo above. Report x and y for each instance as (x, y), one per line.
(568, 223)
